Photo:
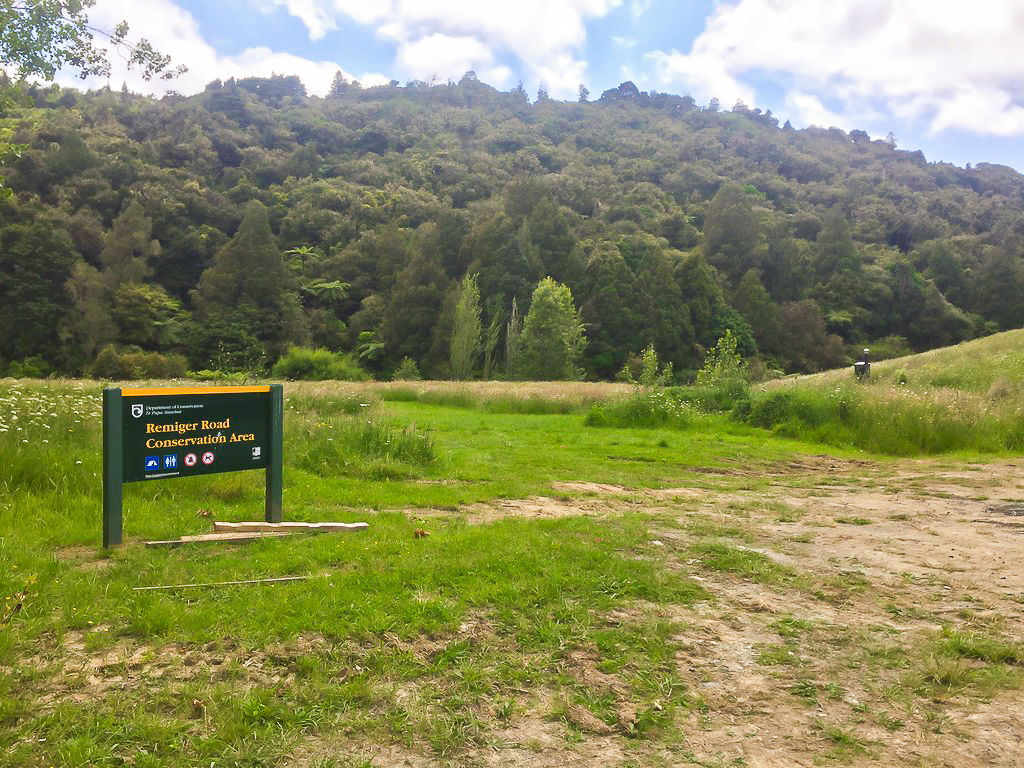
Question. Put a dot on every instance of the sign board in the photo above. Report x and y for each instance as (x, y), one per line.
(156, 434)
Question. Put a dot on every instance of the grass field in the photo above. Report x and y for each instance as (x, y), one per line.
(964, 398)
(708, 595)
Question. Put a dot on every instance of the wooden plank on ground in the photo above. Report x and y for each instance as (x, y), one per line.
(219, 538)
(289, 527)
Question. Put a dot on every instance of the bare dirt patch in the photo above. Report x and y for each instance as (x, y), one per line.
(918, 557)
(592, 488)
(87, 674)
(539, 508)
(833, 667)
(83, 558)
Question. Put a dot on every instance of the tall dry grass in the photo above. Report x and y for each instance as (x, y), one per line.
(968, 397)
(491, 396)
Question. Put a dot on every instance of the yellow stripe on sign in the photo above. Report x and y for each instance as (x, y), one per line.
(192, 391)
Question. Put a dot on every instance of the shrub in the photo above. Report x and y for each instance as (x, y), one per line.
(303, 363)
(29, 368)
(226, 342)
(809, 409)
(407, 370)
(207, 375)
(133, 363)
(890, 347)
(651, 373)
(722, 382)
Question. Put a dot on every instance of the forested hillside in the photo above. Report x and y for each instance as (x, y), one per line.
(228, 226)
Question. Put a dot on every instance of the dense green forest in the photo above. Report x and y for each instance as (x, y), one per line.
(411, 227)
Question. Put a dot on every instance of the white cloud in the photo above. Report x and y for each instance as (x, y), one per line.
(546, 36)
(808, 110)
(318, 18)
(439, 53)
(951, 63)
(498, 77)
(638, 7)
(175, 32)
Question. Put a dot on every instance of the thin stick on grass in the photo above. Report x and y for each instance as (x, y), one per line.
(277, 580)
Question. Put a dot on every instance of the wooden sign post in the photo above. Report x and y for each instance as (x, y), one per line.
(157, 434)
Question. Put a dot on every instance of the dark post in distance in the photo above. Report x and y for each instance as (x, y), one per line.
(862, 367)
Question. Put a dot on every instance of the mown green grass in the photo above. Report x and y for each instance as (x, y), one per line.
(387, 609)
(425, 642)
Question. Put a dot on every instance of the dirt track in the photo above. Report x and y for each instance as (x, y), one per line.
(910, 547)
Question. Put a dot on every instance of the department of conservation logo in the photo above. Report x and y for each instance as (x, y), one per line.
(137, 409)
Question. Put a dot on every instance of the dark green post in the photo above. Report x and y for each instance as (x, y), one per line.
(113, 467)
(275, 473)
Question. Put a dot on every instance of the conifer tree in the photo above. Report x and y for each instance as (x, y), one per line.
(609, 309)
(753, 302)
(732, 241)
(249, 275)
(128, 248)
(415, 304)
(36, 259)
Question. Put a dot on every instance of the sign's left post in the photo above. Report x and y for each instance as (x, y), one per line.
(113, 467)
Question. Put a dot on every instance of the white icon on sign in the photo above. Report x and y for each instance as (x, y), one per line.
(190, 459)
(256, 452)
(137, 410)
(208, 458)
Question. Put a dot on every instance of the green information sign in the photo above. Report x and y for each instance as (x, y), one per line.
(155, 434)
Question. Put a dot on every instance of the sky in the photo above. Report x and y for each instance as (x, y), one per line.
(944, 76)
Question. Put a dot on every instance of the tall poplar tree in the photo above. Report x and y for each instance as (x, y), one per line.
(513, 339)
(466, 336)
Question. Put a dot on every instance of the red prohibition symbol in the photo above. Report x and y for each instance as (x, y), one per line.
(208, 458)
(190, 459)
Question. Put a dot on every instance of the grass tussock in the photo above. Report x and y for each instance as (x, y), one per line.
(647, 408)
(719, 556)
(962, 398)
(887, 419)
(348, 435)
